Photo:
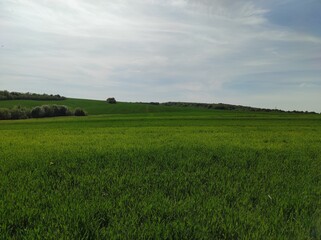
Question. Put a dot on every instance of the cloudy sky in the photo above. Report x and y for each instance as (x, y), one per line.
(264, 53)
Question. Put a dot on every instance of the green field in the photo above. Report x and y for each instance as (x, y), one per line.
(96, 107)
(160, 173)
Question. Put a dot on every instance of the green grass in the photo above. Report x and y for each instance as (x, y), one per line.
(161, 175)
(96, 107)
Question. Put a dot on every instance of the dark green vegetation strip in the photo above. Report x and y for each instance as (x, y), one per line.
(166, 175)
(6, 95)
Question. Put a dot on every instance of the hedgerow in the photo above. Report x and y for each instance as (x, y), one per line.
(18, 112)
(6, 95)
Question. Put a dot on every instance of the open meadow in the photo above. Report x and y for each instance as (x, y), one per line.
(134, 171)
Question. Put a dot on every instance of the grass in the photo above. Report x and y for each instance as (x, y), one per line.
(158, 174)
(96, 107)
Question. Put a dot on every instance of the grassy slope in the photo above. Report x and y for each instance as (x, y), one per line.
(96, 107)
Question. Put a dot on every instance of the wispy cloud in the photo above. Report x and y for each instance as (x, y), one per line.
(139, 50)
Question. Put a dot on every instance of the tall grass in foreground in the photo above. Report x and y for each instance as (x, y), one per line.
(160, 178)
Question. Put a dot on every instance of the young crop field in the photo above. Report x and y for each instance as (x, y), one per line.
(161, 173)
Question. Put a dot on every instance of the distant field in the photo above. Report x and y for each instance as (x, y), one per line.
(96, 107)
(160, 172)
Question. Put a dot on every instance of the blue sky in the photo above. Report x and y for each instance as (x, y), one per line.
(257, 53)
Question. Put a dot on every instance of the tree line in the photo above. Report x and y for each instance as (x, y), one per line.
(43, 111)
(6, 95)
(223, 106)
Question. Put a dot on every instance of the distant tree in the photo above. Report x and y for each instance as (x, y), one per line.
(55, 110)
(111, 100)
(19, 113)
(62, 110)
(37, 112)
(47, 111)
(50, 111)
(80, 112)
(6, 95)
(5, 114)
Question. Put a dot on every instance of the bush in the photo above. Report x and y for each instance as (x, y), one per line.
(5, 95)
(80, 112)
(19, 113)
(154, 103)
(37, 112)
(111, 100)
(5, 114)
(48, 111)
(62, 110)
(55, 110)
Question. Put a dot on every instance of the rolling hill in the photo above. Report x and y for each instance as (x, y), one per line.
(96, 107)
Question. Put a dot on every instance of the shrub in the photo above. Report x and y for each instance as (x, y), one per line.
(111, 100)
(55, 110)
(80, 112)
(37, 112)
(5, 95)
(19, 113)
(48, 111)
(62, 110)
(5, 114)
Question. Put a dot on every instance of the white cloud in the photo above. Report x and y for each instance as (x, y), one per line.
(192, 48)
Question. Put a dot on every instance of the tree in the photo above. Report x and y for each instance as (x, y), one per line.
(19, 113)
(111, 100)
(37, 112)
(5, 114)
(80, 112)
(62, 110)
(48, 111)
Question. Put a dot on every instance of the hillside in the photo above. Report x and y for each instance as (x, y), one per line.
(99, 107)
(233, 107)
(96, 107)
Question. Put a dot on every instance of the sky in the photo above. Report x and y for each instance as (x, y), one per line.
(262, 53)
